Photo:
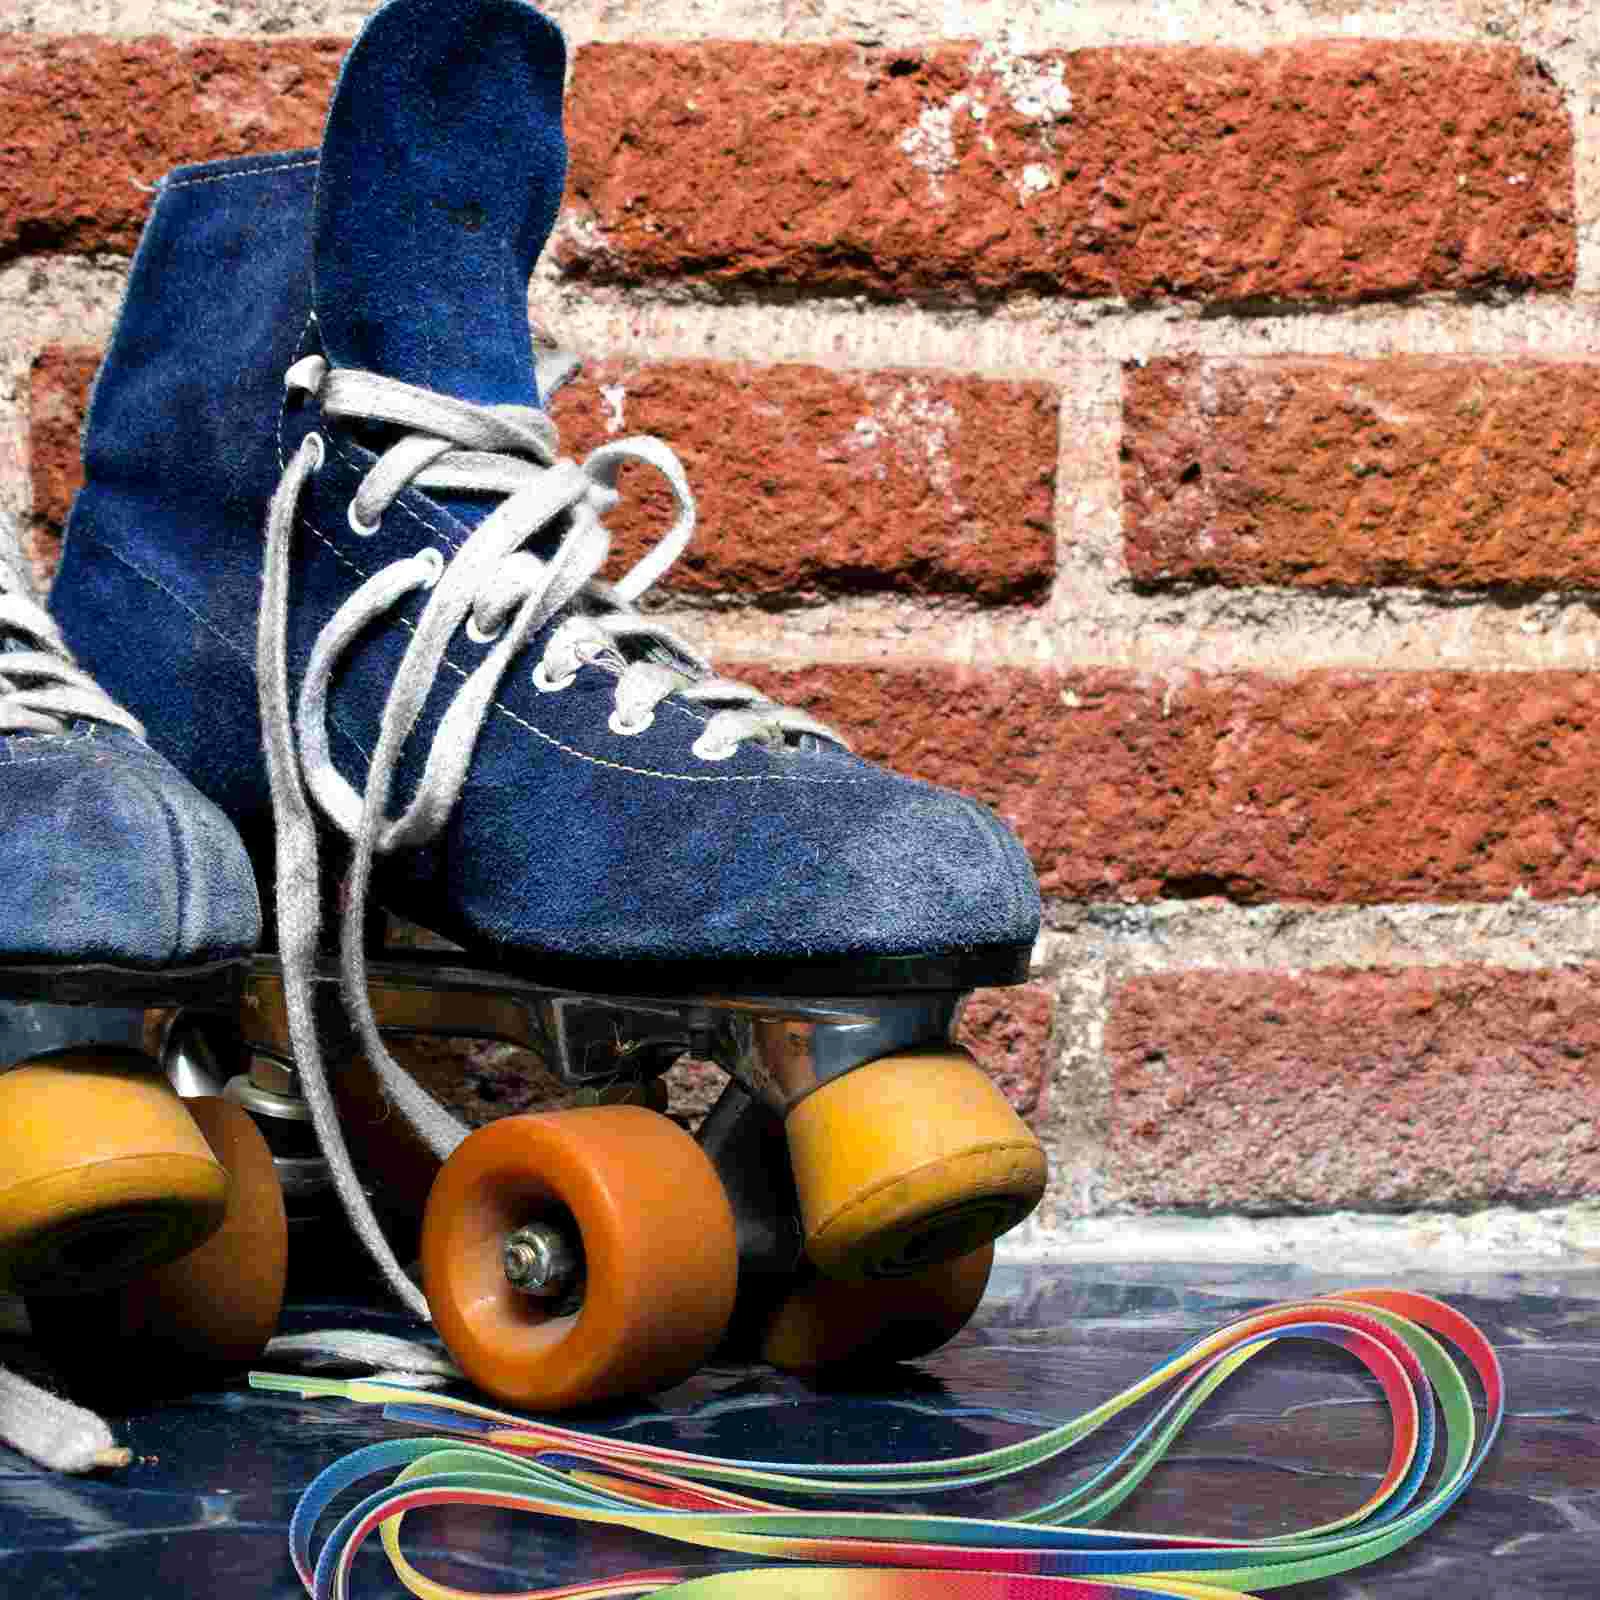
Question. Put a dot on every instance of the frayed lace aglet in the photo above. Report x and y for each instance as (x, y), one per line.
(54, 1432)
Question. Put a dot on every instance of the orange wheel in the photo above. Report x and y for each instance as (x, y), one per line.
(645, 1213)
(103, 1173)
(220, 1304)
(910, 1160)
(826, 1323)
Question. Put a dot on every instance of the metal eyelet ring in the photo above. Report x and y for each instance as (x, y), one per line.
(704, 750)
(543, 682)
(479, 635)
(435, 560)
(318, 449)
(627, 729)
(357, 526)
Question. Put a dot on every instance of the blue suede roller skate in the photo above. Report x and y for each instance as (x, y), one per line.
(121, 888)
(331, 554)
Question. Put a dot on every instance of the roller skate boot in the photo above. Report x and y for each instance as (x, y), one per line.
(123, 889)
(320, 473)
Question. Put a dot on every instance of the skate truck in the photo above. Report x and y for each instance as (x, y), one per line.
(330, 554)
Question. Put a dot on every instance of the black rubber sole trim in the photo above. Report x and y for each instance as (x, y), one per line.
(215, 984)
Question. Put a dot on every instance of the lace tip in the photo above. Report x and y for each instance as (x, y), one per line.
(302, 1384)
(364, 1391)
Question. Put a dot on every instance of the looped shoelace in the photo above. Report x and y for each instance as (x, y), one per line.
(500, 594)
(1417, 1351)
(42, 690)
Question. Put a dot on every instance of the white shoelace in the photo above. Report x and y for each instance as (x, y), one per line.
(499, 593)
(41, 688)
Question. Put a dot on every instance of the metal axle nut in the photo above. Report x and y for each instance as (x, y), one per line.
(541, 1259)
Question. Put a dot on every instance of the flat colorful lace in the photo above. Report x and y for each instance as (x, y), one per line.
(1413, 1346)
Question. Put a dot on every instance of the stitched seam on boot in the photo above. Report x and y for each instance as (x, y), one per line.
(505, 710)
(983, 823)
(244, 655)
(454, 545)
(249, 172)
(583, 755)
(175, 839)
(11, 741)
(35, 761)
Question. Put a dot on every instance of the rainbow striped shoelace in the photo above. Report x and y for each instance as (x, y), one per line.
(1417, 1349)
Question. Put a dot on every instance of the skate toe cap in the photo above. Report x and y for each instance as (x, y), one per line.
(110, 855)
(914, 869)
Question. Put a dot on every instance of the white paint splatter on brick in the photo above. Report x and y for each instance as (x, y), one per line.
(614, 397)
(579, 230)
(1035, 179)
(1036, 91)
(868, 435)
(909, 420)
(931, 144)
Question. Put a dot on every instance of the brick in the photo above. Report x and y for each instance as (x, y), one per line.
(824, 481)
(818, 481)
(58, 399)
(1375, 1090)
(1323, 787)
(1324, 170)
(1008, 1031)
(85, 120)
(1334, 473)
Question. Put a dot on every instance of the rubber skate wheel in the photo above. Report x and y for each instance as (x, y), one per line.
(220, 1304)
(911, 1160)
(214, 1308)
(826, 1323)
(103, 1173)
(657, 1238)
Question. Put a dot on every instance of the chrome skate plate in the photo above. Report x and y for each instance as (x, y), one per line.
(780, 1047)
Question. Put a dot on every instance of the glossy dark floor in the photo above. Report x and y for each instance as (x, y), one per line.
(1297, 1438)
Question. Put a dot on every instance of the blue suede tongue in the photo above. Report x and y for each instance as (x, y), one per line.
(442, 169)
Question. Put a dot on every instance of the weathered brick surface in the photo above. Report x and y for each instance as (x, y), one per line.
(1323, 787)
(1329, 472)
(1322, 170)
(1326, 169)
(807, 480)
(1008, 1030)
(1368, 1089)
(814, 480)
(58, 398)
(85, 120)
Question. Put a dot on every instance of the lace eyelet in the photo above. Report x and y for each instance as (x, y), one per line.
(435, 560)
(364, 529)
(704, 750)
(545, 684)
(628, 729)
(478, 635)
(318, 449)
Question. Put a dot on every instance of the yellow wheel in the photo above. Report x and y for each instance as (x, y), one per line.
(910, 1160)
(214, 1308)
(103, 1173)
(826, 1323)
(647, 1268)
(219, 1305)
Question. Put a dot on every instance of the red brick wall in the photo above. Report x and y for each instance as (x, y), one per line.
(902, 544)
